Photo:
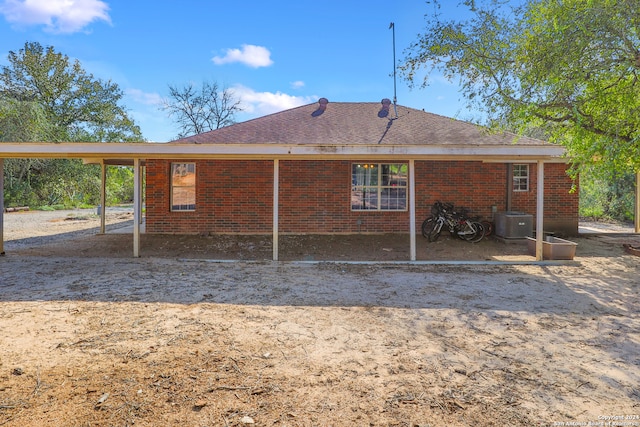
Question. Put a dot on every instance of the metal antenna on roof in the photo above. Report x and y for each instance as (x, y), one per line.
(395, 99)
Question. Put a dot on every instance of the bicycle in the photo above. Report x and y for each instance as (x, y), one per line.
(458, 223)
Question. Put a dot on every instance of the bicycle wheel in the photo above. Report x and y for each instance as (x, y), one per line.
(427, 226)
(435, 230)
(467, 231)
(488, 227)
(480, 234)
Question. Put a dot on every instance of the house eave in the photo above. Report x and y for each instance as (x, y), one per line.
(125, 152)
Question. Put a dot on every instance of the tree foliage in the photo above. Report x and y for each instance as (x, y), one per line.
(77, 106)
(568, 68)
(197, 110)
(46, 97)
(607, 197)
(21, 121)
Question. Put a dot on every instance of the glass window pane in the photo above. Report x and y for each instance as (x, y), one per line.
(520, 177)
(183, 186)
(394, 198)
(379, 186)
(365, 174)
(394, 174)
(364, 198)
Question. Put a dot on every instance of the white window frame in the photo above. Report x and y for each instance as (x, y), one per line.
(520, 177)
(378, 188)
(187, 167)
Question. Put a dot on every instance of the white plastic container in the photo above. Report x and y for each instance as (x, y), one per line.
(553, 248)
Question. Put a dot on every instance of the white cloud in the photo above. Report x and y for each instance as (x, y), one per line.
(58, 16)
(299, 84)
(262, 103)
(253, 56)
(143, 97)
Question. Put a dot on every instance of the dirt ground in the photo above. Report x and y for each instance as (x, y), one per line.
(90, 336)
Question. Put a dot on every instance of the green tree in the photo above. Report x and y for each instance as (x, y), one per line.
(78, 106)
(46, 97)
(566, 68)
(21, 121)
(119, 185)
(197, 110)
(607, 197)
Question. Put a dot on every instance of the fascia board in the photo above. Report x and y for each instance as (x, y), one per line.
(277, 151)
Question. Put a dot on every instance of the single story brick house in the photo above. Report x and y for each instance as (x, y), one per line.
(342, 167)
(331, 168)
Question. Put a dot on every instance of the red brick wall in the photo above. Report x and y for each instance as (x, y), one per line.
(560, 206)
(314, 197)
(475, 185)
(231, 197)
(479, 186)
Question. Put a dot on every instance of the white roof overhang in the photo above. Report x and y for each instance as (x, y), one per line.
(125, 153)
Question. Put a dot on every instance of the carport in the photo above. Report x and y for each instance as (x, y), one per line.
(134, 154)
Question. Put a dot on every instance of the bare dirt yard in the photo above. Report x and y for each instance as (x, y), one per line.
(90, 336)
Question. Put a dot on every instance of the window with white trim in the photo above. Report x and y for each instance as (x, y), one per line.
(520, 177)
(183, 187)
(379, 186)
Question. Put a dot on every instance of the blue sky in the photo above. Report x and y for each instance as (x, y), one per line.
(274, 54)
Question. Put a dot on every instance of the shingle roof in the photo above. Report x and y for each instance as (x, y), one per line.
(356, 123)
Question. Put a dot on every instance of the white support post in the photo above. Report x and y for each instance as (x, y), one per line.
(412, 210)
(136, 208)
(103, 197)
(540, 211)
(276, 185)
(143, 170)
(636, 219)
(1, 206)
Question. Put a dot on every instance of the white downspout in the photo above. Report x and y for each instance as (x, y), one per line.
(136, 207)
(540, 211)
(103, 197)
(276, 182)
(412, 210)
